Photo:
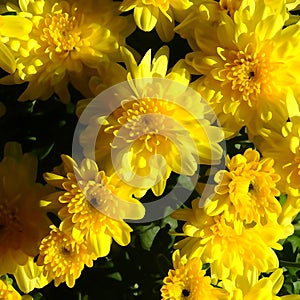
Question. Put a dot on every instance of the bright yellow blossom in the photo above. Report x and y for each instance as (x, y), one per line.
(155, 119)
(94, 205)
(265, 288)
(247, 190)
(240, 61)
(63, 258)
(67, 40)
(231, 248)
(23, 223)
(160, 14)
(188, 281)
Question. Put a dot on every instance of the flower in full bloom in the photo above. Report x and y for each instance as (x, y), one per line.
(155, 119)
(11, 27)
(156, 13)
(231, 248)
(247, 190)
(264, 288)
(240, 61)
(283, 145)
(63, 258)
(23, 223)
(67, 41)
(188, 281)
(94, 205)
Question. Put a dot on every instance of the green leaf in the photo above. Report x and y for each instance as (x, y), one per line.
(295, 242)
(148, 236)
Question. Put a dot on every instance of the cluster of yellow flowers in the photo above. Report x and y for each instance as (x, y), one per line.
(245, 58)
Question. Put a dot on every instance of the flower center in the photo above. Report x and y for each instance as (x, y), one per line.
(61, 32)
(101, 197)
(10, 225)
(144, 119)
(247, 73)
(185, 293)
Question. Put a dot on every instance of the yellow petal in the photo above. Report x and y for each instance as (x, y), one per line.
(146, 17)
(14, 26)
(7, 60)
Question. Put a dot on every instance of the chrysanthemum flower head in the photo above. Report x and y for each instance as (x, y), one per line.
(63, 258)
(156, 13)
(95, 205)
(157, 126)
(231, 248)
(67, 39)
(188, 281)
(264, 288)
(247, 190)
(241, 60)
(22, 222)
(11, 27)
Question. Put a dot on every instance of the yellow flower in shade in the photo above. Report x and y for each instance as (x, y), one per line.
(283, 145)
(264, 288)
(240, 61)
(231, 248)
(188, 281)
(63, 258)
(11, 27)
(247, 190)
(94, 205)
(156, 13)
(23, 223)
(68, 39)
(155, 120)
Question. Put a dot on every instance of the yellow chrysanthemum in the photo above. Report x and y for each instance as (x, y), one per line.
(94, 205)
(247, 190)
(265, 288)
(11, 27)
(67, 40)
(283, 145)
(23, 224)
(63, 258)
(160, 14)
(231, 248)
(155, 120)
(188, 281)
(240, 61)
